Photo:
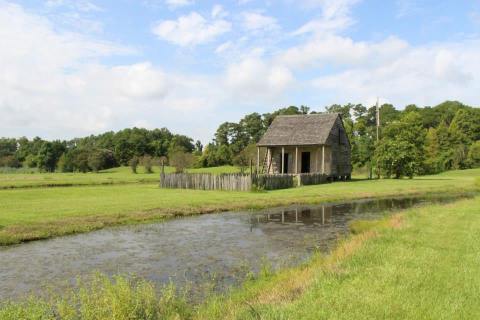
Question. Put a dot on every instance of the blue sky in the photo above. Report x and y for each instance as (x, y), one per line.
(72, 68)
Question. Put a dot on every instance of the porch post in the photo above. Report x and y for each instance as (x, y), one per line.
(258, 160)
(323, 159)
(283, 160)
(268, 161)
(296, 160)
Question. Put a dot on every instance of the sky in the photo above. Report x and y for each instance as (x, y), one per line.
(74, 68)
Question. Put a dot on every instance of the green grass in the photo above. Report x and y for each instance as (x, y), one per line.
(120, 175)
(38, 213)
(421, 263)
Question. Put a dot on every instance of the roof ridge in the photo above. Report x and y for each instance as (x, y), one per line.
(310, 114)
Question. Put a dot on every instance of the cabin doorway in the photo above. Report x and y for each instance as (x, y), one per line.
(305, 162)
(285, 163)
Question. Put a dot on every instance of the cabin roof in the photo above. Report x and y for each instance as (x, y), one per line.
(297, 130)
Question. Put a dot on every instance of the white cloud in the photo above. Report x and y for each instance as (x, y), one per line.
(254, 79)
(255, 21)
(178, 3)
(80, 5)
(219, 12)
(335, 16)
(53, 84)
(191, 29)
(328, 50)
(422, 75)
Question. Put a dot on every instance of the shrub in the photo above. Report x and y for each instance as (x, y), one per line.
(181, 160)
(10, 161)
(134, 164)
(147, 164)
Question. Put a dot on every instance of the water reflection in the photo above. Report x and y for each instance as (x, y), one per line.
(221, 246)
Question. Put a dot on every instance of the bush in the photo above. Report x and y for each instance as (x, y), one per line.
(134, 164)
(147, 164)
(181, 160)
(10, 161)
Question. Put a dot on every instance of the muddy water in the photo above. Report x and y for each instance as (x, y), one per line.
(189, 250)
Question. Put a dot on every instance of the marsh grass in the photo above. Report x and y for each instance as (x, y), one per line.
(104, 298)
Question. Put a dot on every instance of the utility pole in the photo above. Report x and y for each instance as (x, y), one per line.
(378, 133)
(378, 119)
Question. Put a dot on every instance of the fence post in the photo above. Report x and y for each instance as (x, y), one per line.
(162, 174)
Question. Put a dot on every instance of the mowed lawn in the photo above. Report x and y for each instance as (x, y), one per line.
(36, 213)
(121, 175)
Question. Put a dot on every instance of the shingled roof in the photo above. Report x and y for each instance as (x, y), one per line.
(297, 130)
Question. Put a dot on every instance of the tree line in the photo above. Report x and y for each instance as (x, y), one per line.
(95, 152)
(413, 141)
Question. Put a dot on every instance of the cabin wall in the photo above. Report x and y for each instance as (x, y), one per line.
(340, 150)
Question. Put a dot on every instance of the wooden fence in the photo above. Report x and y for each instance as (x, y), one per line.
(305, 179)
(273, 181)
(238, 181)
(207, 181)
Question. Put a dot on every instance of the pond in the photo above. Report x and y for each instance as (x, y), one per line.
(211, 248)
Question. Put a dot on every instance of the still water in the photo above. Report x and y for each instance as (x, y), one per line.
(192, 250)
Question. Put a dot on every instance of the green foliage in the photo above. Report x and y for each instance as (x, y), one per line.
(400, 152)
(147, 163)
(473, 157)
(93, 153)
(104, 298)
(134, 164)
(181, 160)
(246, 157)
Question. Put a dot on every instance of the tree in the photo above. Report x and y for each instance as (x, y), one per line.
(433, 160)
(400, 152)
(181, 160)
(245, 157)
(49, 154)
(99, 159)
(147, 163)
(473, 158)
(134, 164)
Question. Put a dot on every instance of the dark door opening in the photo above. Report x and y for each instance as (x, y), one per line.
(285, 163)
(305, 162)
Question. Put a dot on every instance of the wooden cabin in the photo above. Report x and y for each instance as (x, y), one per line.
(313, 143)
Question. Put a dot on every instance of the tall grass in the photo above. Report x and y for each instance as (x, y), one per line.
(104, 298)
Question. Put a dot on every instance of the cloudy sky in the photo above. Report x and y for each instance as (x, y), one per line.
(72, 68)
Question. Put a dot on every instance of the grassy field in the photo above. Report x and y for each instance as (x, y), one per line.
(121, 175)
(421, 263)
(37, 213)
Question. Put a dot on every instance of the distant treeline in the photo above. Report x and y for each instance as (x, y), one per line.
(95, 152)
(416, 140)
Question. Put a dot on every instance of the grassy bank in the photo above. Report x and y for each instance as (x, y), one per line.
(418, 264)
(38, 213)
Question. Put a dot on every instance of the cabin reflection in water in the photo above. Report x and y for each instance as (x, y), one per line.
(302, 216)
